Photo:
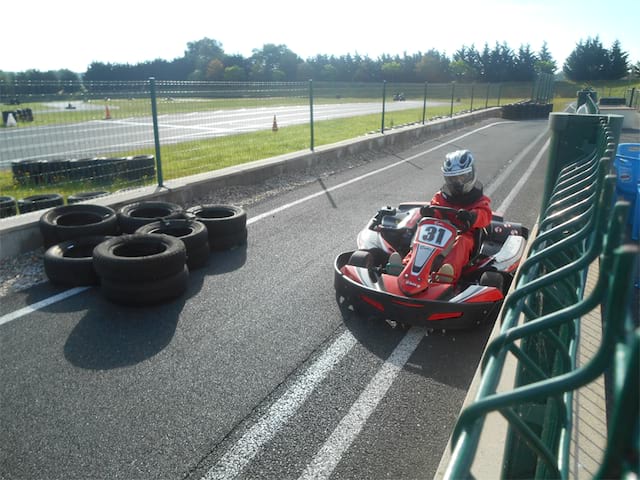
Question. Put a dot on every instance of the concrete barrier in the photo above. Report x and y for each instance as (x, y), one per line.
(21, 234)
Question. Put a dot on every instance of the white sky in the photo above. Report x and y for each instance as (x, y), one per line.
(50, 35)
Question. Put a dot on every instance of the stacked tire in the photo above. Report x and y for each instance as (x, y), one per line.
(140, 269)
(192, 233)
(8, 207)
(226, 224)
(149, 262)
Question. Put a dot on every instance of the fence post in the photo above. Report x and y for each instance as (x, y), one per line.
(384, 97)
(311, 112)
(156, 134)
(453, 91)
(499, 92)
(486, 101)
(424, 103)
(473, 85)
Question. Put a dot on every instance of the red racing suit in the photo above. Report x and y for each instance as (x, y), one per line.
(480, 206)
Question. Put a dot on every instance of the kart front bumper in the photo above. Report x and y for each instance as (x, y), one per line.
(434, 314)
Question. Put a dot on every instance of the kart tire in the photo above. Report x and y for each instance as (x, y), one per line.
(144, 293)
(70, 263)
(39, 202)
(139, 258)
(192, 233)
(68, 222)
(83, 196)
(8, 207)
(227, 241)
(492, 279)
(220, 220)
(198, 258)
(361, 258)
(135, 215)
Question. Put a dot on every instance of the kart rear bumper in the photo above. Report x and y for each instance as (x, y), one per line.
(434, 314)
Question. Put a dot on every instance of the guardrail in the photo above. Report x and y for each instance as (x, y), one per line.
(541, 318)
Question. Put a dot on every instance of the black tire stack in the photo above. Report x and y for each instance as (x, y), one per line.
(226, 224)
(140, 255)
(140, 269)
(8, 207)
(192, 233)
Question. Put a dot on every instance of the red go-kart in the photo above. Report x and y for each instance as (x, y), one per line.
(374, 280)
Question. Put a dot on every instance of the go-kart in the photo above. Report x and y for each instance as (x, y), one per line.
(376, 283)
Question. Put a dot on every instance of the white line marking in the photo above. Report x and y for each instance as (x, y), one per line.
(41, 304)
(518, 186)
(59, 297)
(331, 452)
(366, 175)
(235, 459)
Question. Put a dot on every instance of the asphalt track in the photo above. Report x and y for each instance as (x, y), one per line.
(101, 137)
(256, 372)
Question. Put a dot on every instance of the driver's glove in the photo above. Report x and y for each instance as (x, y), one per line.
(467, 217)
(427, 211)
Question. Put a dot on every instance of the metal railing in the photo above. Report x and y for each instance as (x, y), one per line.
(116, 135)
(541, 318)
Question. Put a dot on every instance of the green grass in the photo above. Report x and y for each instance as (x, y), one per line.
(188, 158)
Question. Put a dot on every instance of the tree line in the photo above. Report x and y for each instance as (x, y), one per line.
(205, 60)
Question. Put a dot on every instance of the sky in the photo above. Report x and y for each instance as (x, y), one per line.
(47, 35)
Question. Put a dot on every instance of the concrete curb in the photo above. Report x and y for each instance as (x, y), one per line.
(21, 233)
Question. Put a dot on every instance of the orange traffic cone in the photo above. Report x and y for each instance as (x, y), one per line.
(274, 128)
(107, 113)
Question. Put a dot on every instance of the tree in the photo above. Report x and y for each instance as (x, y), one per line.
(588, 61)
(545, 62)
(391, 70)
(215, 70)
(200, 53)
(235, 74)
(618, 64)
(273, 62)
(524, 66)
(433, 67)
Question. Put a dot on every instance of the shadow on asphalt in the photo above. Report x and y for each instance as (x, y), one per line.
(450, 357)
(114, 336)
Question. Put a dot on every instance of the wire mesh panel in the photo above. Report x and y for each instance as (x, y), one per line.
(76, 138)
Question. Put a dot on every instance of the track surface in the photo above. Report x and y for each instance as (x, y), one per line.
(255, 371)
(101, 137)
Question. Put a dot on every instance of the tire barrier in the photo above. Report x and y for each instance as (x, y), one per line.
(135, 215)
(69, 222)
(8, 207)
(192, 233)
(226, 224)
(19, 115)
(100, 170)
(141, 269)
(526, 110)
(83, 196)
(70, 263)
(39, 202)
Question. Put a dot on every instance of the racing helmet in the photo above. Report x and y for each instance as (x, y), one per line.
(459, 171)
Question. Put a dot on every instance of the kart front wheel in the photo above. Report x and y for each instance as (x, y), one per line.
(492, 279)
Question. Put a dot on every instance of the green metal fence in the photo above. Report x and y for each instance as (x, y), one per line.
(107, 136)
(541, 318)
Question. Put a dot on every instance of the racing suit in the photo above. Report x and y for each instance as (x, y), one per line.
(479, 206)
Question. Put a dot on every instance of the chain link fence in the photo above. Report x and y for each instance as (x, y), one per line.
(75, 137)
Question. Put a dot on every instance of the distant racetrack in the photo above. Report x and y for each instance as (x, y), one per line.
(102, 137)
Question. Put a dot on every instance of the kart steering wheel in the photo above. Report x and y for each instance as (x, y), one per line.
(453, 211)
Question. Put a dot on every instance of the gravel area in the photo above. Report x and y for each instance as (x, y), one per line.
(25, 270)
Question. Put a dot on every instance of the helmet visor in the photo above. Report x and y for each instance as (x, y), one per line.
(460, 183)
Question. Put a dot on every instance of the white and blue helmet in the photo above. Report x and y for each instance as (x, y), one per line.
(459, 171)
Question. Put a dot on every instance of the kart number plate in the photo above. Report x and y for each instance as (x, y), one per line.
(434, 235)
